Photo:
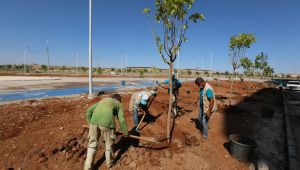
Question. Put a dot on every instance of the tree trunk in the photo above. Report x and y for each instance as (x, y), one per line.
(231, 85)
(170, 103)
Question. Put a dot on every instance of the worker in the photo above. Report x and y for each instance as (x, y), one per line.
(101, 118)
(138, 101)
(176, 84)
(207, 104)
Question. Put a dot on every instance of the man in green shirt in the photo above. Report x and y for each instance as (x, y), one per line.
(101, 117)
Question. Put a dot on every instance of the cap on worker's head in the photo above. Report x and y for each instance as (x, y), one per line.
(144, 100)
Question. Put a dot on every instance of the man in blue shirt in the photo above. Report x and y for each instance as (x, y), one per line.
(207, 104)
(176, 84)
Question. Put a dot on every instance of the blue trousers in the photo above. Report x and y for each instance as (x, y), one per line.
(136, 116)
(203, 120)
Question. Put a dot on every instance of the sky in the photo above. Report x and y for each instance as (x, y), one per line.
(120, 29)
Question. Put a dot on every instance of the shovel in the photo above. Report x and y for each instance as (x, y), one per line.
(149, 139)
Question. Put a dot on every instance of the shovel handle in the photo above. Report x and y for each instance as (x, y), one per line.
(132, 136)
(142, 138)
(141, 121)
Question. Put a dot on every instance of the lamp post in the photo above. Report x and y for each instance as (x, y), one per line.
(90, 50)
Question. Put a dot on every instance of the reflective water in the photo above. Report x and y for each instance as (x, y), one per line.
(33, 94)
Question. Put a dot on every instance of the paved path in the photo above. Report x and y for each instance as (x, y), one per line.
(293, 107)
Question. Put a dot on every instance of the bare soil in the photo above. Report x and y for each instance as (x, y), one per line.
(49, 133)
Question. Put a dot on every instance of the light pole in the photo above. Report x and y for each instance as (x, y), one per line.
(202, 67)
(30, 59)
(126, 63)
(90, 50)
(211, 55)
(47, 51)
(24, 60)
(77, 55)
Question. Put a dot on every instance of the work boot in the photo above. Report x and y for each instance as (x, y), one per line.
(89, 162)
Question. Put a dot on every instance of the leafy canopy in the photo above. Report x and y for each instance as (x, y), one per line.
(261, 61)
(241, 41)
(173, 14)
(237, 47)
(248, 66)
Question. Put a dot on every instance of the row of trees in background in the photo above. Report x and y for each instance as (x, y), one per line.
(238, 58)
(259, 66)
(146, 71)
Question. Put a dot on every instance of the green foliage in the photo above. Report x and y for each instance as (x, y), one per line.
(189, 72)
(248, 66)
(141, 72)
(44, 67)
(237, 47)
(173, 14)
(268, 71)
(145, 70)
(83, 69)
(99, 70)
(196, 16)
(226, 72)
(146, 10)
(242, 40)
(261, 62)
(112, 69)
(63, 68)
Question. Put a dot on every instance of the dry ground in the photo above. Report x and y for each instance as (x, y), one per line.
(48, 133)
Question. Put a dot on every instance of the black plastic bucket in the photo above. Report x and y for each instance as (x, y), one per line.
(242, 148)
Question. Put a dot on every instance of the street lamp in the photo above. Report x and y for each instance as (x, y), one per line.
(90, 50)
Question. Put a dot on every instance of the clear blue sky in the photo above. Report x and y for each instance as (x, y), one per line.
(119, 25)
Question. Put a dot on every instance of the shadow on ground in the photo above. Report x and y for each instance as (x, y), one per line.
(259, 117)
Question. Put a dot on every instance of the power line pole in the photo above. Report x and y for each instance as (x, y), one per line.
(202, 68)
(30, 59)
(47, 51)
(211, 64)
(90, 50)
(24, 61)
(126, 63)
(77, 54)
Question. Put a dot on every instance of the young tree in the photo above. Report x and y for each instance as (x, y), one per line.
(173, 15)
(261, 63)
(248, 66)
(237, 50)
(268, 71)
